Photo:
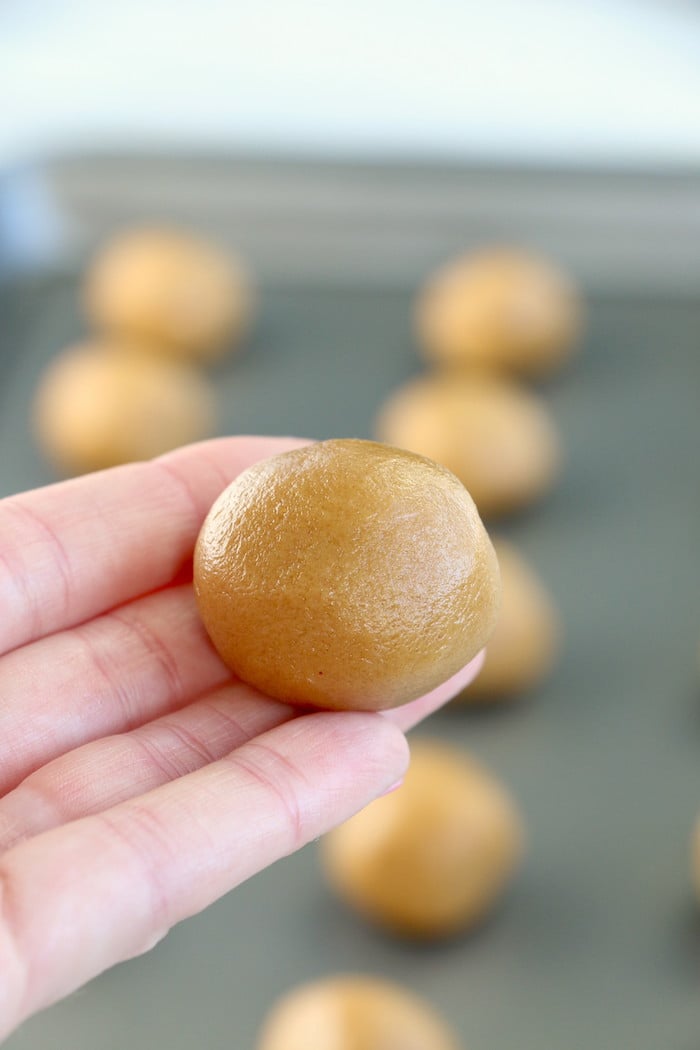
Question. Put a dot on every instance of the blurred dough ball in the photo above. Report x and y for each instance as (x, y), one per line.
(500, 308)
(170, 291)
(434, 856)
(695, 858)
(522, 649)
(354, 1013)
(100, 405)
(498, 438)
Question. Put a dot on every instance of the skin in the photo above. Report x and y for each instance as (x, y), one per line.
(139, 782)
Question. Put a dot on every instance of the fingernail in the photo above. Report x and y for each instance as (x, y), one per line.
(394, 787)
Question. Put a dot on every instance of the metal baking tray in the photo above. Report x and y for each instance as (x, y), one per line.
(598, 942)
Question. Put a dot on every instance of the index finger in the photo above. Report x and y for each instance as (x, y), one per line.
(76, 549)
(102, 889)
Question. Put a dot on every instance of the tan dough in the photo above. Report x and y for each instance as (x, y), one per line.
(98, 405)
(498, 438)
(346, 574)
(434, 856)
(499, 308)
(354, 1013)
(695, 858)
(169, 291)
(523, 647)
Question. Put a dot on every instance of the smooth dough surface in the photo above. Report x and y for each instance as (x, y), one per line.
(524, 644)
(99, 405)
(346, 574)
(498, 438)
(354, 1013)
(499, 308)
(433, 857)
(169, 291)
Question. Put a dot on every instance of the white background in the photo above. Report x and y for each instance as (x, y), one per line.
(612, 80)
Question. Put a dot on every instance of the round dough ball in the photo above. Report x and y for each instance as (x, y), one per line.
(523, 647)
(346, 574)
(498, 438)
(354, 1013)
(499, 308)
(169, 291)
(98, 405)
(433, 857)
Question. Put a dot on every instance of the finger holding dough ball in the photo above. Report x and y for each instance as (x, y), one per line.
(523, 647)
(499, 308)
(434, 856)
(99, 405)
(498, 438)
(354, 1013)
(346, 575)
(170, 291)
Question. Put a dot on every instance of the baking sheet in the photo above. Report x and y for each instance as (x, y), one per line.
(598, 943)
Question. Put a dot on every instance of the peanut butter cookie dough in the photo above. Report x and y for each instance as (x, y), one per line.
(433, 857)
(346, 574)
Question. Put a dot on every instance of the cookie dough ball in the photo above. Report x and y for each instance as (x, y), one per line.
(169, 291)
(354, 1013)
(346, 574)
(695, 858)
(99, 405)
(499, 308)
(497, 438)
(523, 647)
(433, 857)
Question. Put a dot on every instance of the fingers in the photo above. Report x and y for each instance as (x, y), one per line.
(106, 772)
(76, 549)
(83, 897)
(409, 715)
(109, 675)
(103, 773)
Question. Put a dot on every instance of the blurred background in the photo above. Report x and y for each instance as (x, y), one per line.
(343, 152)
(535, 84)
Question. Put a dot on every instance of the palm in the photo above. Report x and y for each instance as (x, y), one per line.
(138, 781)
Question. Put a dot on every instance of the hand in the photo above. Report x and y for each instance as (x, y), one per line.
(138, 781)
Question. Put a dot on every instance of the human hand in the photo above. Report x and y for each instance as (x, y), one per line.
(138, 781)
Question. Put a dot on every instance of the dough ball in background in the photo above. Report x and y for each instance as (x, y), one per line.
(433, 857)
(523, 648)
(498, 438)
(354, 1013)
(170, 291)
(695, 858)
(499, 308)
(101, 404)
(347, 575)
